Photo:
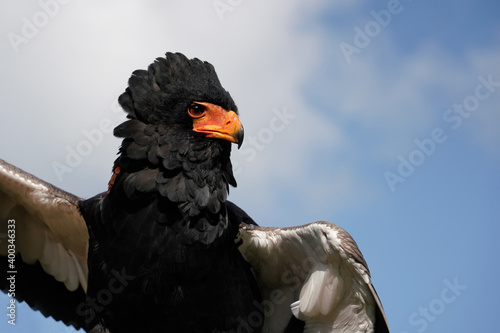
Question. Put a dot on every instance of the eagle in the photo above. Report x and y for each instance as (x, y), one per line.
(162, 249)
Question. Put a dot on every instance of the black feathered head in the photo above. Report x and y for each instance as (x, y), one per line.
(170, 85)
(177, 140)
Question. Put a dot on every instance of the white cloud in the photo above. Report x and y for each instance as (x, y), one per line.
(401, 97)
(486, 120)
(65, 79)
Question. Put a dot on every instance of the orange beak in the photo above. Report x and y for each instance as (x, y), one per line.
(218, 123)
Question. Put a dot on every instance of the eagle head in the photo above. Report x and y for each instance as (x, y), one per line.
(177, 139)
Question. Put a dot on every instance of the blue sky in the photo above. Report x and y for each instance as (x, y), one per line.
(323, 130)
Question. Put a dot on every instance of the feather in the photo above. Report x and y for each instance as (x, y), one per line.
(145, 180)
(127, 103)
(174, 189)
(201, 196)
(213, 204)
(171, 163)
(153, 153)
(136, 152)
(164, 150)
(130, 128)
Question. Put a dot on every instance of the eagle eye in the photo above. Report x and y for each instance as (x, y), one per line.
(196, 110)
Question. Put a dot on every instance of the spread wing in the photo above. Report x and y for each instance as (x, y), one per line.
(43, 242)
(315, 273)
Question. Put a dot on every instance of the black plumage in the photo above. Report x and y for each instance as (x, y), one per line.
(164, 220)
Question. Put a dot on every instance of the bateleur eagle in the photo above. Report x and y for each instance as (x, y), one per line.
(162, 250)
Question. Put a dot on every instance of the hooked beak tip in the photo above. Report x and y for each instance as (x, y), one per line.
(240, 136)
